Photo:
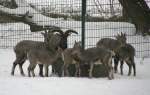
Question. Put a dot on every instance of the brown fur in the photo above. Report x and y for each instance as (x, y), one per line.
(23, 47)
(126, 53)
(43, 56)
(92, 55)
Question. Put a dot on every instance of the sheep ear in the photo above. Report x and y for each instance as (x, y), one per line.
(75, 41)
(125, 34)
(116, 36)
(43, 34)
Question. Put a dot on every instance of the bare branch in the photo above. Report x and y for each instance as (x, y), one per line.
(26, 14)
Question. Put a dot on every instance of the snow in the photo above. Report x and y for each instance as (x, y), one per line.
(121, 85)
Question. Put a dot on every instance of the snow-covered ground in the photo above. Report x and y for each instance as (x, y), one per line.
(121, 85)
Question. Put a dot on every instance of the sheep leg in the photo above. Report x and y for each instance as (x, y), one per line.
(17, 61)
(65, 70)
(20, 66)
(110, 69)
(134, 68)
(31, 70)
(116, 61)
(110, 73)
(46, 70)
(41, 70)
(33, 67)
(130, 68)
(21, 70)
(53, 70)
(13, 68)
(91, 70)
(133, 65)
(121, 67)
(77, 73)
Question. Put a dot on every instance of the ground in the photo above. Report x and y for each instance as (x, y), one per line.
(121, 85)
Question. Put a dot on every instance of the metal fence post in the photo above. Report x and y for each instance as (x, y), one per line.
(83, 22)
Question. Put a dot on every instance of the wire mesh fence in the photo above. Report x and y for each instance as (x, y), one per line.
(103, 19)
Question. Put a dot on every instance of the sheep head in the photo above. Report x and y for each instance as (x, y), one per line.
(121, 38)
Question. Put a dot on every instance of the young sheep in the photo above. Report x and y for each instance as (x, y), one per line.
(45, 56)
(113, 44)
(126, 53)
(67, 58)
(23, 47)
(64, 36)
(93, 56)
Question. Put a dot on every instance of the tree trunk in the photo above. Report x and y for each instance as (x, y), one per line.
(139, 12)
(37, 21)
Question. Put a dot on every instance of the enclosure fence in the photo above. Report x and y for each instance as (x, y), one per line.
(98, 24)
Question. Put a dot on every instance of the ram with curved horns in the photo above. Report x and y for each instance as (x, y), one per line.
(64, 36)
(63, 44)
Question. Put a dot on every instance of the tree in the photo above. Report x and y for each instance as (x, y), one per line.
(23, 12)
(139, 12)
(112, 11)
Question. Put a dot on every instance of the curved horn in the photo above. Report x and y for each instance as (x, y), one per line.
(70, 31)
(46, 32)
(56, 30)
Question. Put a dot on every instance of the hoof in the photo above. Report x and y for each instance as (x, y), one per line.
(12, 73)
(41, 75)
(134, 74)
(110, 78)
(129, 74)
(121, 73)
(90, 77)
(23, 74)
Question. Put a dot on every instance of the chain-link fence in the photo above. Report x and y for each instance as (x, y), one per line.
(103, 19)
